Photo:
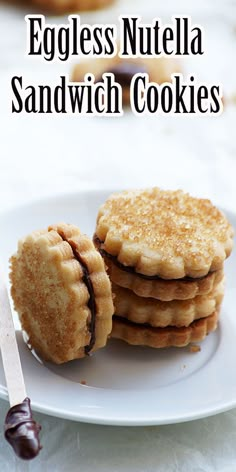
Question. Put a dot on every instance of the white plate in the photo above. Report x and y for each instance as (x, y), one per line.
(125, 385)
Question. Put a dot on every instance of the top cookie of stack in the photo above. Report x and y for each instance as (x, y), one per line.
(163, 245)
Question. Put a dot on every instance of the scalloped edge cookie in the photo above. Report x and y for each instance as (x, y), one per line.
(162, 314)
(164, 233)
(163, 290)
(140, 335)
(62, 293)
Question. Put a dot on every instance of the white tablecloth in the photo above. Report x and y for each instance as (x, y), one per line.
(45, 155)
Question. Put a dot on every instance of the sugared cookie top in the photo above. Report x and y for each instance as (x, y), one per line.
(166, 233)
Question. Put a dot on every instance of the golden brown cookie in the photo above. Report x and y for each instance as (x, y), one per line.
(65, 6)
(164, 290)
(144, 335)
(164, 234)
(62, 293)
(162, 314)
(158, 69)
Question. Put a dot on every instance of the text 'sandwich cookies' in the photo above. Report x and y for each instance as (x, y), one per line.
(62, 293)
(165, 253)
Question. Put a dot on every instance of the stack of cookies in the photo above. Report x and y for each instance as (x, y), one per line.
(165, 252)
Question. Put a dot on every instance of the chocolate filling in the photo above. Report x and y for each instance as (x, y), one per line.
(98, 243)
(91, 302)
(21, 431)
(124, 72)
(127, 322)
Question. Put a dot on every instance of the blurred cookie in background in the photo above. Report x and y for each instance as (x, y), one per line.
(159, 70)
(63, 6)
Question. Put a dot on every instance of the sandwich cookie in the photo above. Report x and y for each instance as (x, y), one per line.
(165, 252)
(62, 293)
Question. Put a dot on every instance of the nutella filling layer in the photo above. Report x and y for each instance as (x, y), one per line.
(127, 322)
(91, 302)
(98, 243)
(124, 72)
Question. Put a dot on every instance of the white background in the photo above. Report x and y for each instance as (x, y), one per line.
(46, 155)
